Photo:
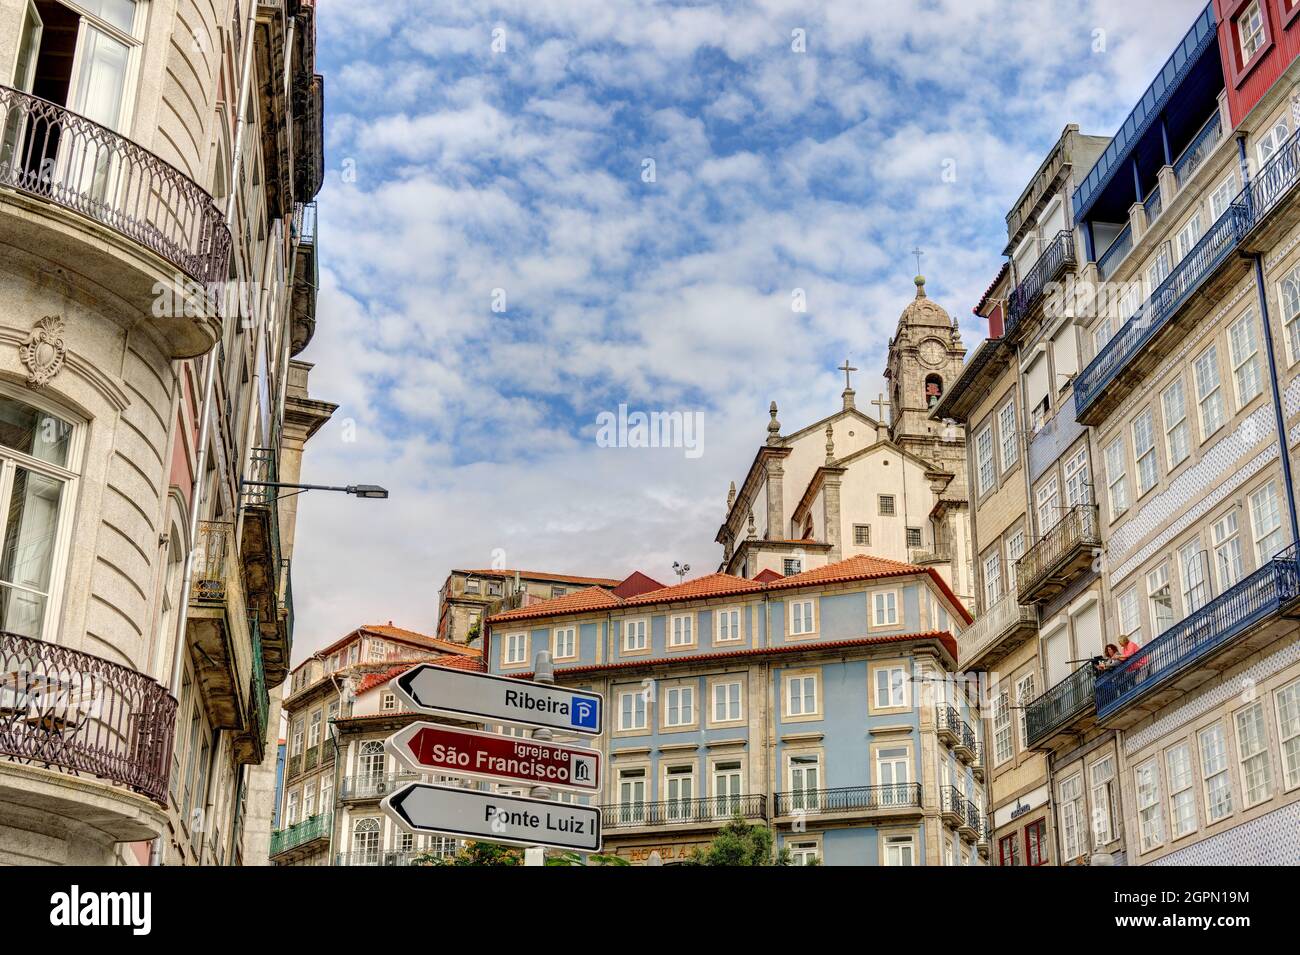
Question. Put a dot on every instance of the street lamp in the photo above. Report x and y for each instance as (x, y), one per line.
(357, 490)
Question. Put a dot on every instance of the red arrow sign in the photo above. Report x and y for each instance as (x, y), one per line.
(433, 747)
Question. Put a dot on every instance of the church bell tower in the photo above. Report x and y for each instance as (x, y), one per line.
(925, 357)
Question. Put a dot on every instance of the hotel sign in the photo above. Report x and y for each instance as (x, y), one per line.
(485, 697)
(433, 747)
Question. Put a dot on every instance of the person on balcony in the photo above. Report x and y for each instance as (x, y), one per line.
(1108, 660)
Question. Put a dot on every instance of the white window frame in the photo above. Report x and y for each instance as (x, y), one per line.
(884, 608)
(895, 687)
(1268, 145)
(984, 457)
(1146, 788)
(1286, 701)
(1252, 747)
(1004, 748)
(788, 695)
(1250, 31)
(1211, 410)
(1116, 477)
(900, 842)
(1268, 537)
(1173, 414)
(731, 632)
(1008, 438)
(569, 636)
(722, 695)
(992, 578)
(1072, 819)
(1289, 295)
(640, 628)
(1215, 769)
(806, 617)
(681, 630)
(1144, 452)
(516, 648)
(1243, 355)
(633, 721)
(1182, 793)
(1026, 690)
(679, 698)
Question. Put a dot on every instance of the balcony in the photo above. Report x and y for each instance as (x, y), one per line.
(1191, 288)
(995, 633)
(965, 748)
(939, 554)
(250, 745)
(221, 641)
(1270, 199)
(1054, 260)
(115, 190)
(378, 858)
(947, 724)
(61, 709)
(1115, 253)
(306, 278)
(1198, 150)
(977, 764)
(311, 832)
(1240, 621)
(972, 826)
(1058, 556)
(703, 813)
(373, 787)
(1060, 707)
(263, 569)
(952, 807)
(887, 800)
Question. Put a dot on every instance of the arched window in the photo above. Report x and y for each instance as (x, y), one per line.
(372, 760)
(365, 841)
(933, 390)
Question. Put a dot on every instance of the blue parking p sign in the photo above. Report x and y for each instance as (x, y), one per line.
(584, 712)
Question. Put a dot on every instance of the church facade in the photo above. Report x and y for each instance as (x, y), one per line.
(852, 484)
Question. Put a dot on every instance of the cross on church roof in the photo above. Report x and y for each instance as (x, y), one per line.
(881, 404)
(846, 368)
(918, 253)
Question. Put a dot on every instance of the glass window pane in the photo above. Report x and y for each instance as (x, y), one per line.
(34, 432)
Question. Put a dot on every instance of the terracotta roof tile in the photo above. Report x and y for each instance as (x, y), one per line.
(721, 585)
(942, 636)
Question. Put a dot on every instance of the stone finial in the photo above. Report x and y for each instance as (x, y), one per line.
(920, 286)
(753, 531)
(830, 445)
(731, 497)
(773, 426)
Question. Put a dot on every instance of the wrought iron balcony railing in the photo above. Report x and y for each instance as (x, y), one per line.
(373, 787)
(675, 812)
(1187, 164)
(849, 799)
(215, 547)
(1004, 617)
(1271, 183)
(1075, 532)
(286, 603)
(64, 709)
(952, 804)
(50, 152)
(1201, 634)
(1153, 205)
(968, 738)
(390, 858)
(261, 697)
(947, 723)
(299, 834)
(1060, 705)
(1155, 313)
(1058, 254)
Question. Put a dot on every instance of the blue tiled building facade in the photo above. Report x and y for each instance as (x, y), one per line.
(822, 704)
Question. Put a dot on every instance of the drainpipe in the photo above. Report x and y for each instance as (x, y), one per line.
(1276, 391)
(209, 376)
(1274, 386)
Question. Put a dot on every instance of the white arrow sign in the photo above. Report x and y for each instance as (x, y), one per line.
(516, 820)
(498, 699)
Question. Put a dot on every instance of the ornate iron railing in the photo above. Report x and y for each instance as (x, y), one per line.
(286, 604)
(1152, 316)
(1078, 527)
(261, 697)
(64, 709)
(215, 546)
(947, 719)
(55, 154)
(670, 812)
(849, 798)
(1058, 253)
(968, 737)
(1060, 705)
(300, 833)
(1272, 182)
(953, 802)
(992, 625)
(1261, 595)
(1186, 165)
(373, 787)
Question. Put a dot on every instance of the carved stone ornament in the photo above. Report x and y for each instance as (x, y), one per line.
(44, 351)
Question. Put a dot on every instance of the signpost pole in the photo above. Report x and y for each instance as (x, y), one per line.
(543, 672)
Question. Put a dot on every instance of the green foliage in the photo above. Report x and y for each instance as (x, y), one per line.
(476, 853)
(740, 843)
(596, 858)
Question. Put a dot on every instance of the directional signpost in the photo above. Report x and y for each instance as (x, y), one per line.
(484, 697)
(517, 820)
(537, 762)
(437, 748)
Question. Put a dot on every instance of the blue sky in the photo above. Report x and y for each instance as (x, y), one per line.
(496, 154)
